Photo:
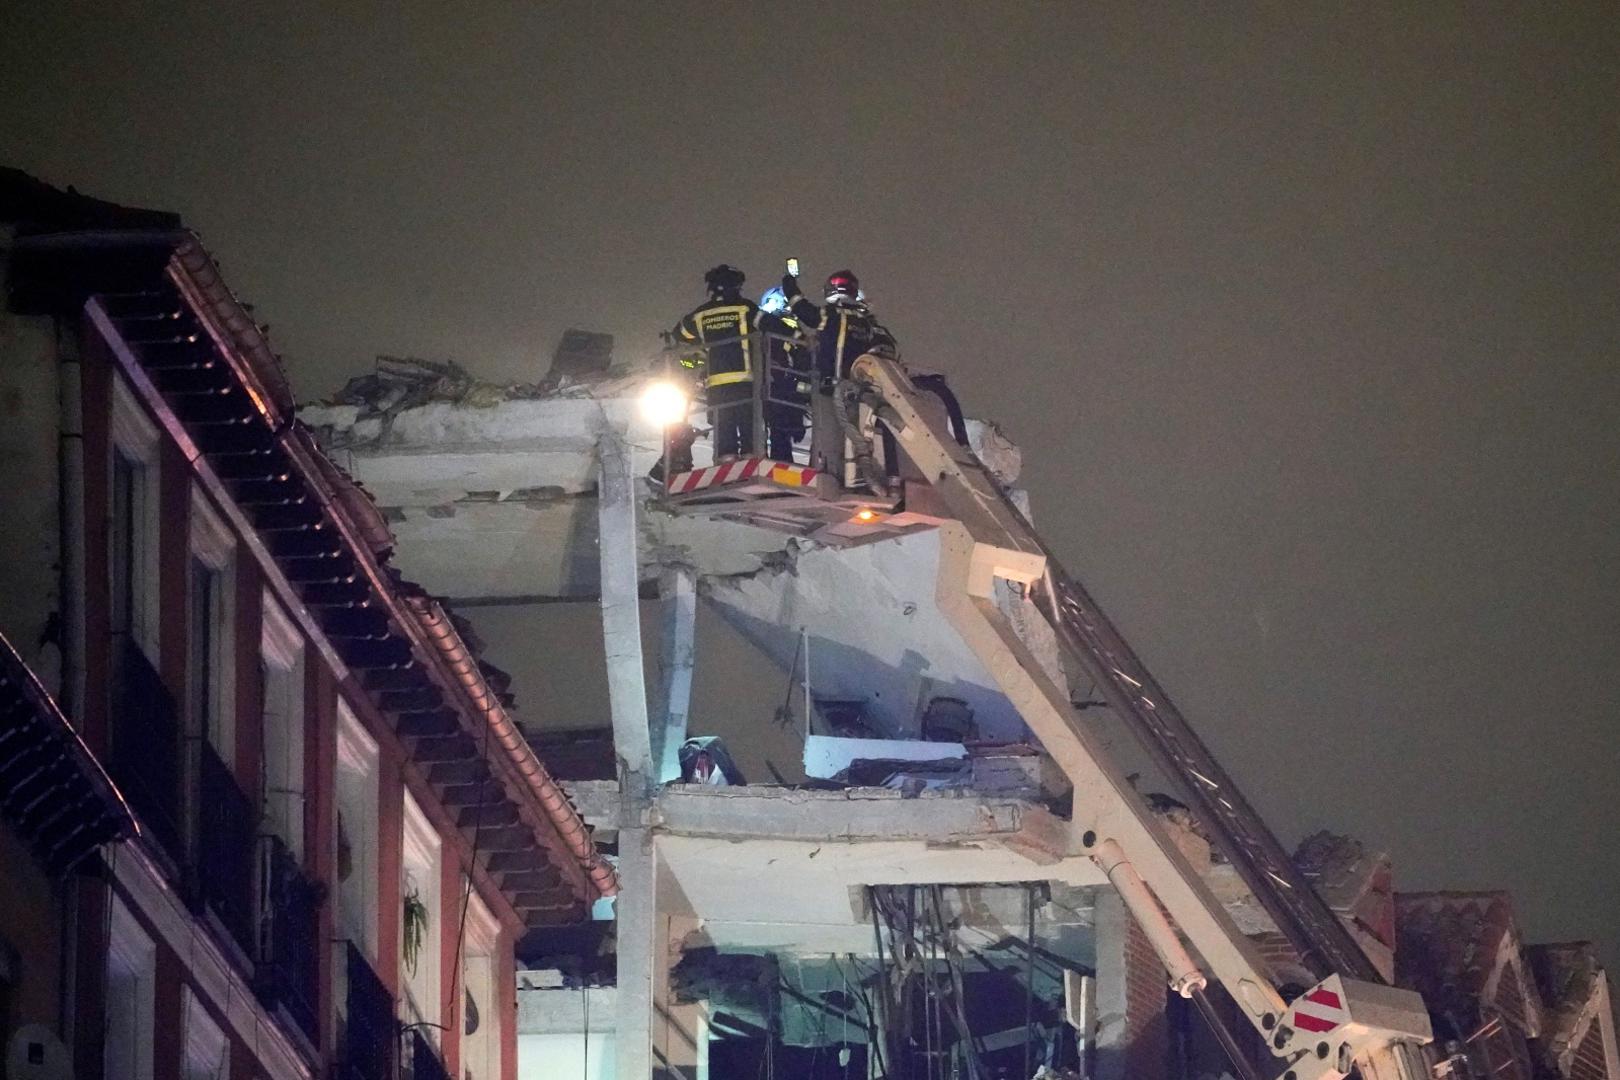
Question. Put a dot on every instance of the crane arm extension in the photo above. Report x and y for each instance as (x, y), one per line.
(988, 539)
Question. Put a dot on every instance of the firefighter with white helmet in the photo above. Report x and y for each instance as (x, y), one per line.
(788, 406)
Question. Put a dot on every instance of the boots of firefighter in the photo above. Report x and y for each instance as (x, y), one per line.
(680, 448)
(781, 440)
(678, 457)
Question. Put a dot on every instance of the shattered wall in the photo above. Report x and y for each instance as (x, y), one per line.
(490, 491)
(554, 654)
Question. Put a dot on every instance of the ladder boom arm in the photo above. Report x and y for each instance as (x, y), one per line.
(988, 539)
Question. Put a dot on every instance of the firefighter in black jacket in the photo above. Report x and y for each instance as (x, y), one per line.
(845, 327)
(787, 409)
(725, 327)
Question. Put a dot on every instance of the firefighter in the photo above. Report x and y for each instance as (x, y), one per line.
(787, 409)
(724, 327)
(845, 327)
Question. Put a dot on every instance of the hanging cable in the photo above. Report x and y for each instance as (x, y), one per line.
(1029, 973)
(843, 1049)
(882, 975)
(784, 712)
(972, 1046)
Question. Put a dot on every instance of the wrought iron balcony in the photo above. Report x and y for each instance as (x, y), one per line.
(144, 757)
(424, 1057)
(372, 1033)
(227, 823)
(289, 935)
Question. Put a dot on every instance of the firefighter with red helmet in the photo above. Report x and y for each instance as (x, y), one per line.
(725, 327)
(845, 326)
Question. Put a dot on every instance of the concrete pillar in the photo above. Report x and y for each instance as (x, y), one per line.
(621, 612)
(655, 1037)
(636, 912)
(1133, 1038)
(677, 589)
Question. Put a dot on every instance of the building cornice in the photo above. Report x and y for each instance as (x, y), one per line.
(428, 691)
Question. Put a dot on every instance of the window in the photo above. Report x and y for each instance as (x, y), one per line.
(207, 1053)
(357, 832)
(211, 628)
(423, 921)
(127, 1042)
(133, 526)
(281, 652)
(128, 489)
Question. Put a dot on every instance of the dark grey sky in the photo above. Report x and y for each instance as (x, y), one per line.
(1306, 319)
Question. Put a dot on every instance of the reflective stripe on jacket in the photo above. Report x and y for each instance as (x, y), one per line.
(723, 328)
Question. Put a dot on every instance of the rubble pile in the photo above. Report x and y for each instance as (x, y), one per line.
(398, 383)
(405, 382)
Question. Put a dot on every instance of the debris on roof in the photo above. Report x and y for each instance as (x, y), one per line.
(581, 352)
(406, 382)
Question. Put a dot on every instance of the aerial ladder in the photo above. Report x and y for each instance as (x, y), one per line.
(1350, 1021)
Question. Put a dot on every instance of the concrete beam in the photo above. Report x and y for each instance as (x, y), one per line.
(852, 815)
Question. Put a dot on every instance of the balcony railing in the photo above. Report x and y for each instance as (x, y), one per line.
(371, 1032)
(144, 757)
(424, 1057)
(289, 935)
(226, 830)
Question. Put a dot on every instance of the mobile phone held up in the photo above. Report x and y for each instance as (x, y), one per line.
(793, 267)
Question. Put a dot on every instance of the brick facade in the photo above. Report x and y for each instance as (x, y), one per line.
(1133, 1041)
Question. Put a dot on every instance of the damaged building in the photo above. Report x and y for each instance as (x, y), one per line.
(810, 768)
(891, 892)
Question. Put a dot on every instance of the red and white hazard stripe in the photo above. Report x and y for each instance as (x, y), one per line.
(732, 472)
(1319, 1010)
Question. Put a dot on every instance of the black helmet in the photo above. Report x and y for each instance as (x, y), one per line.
(842, 284)
(723, 279)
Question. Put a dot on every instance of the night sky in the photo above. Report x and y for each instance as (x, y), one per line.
(1307, 321)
